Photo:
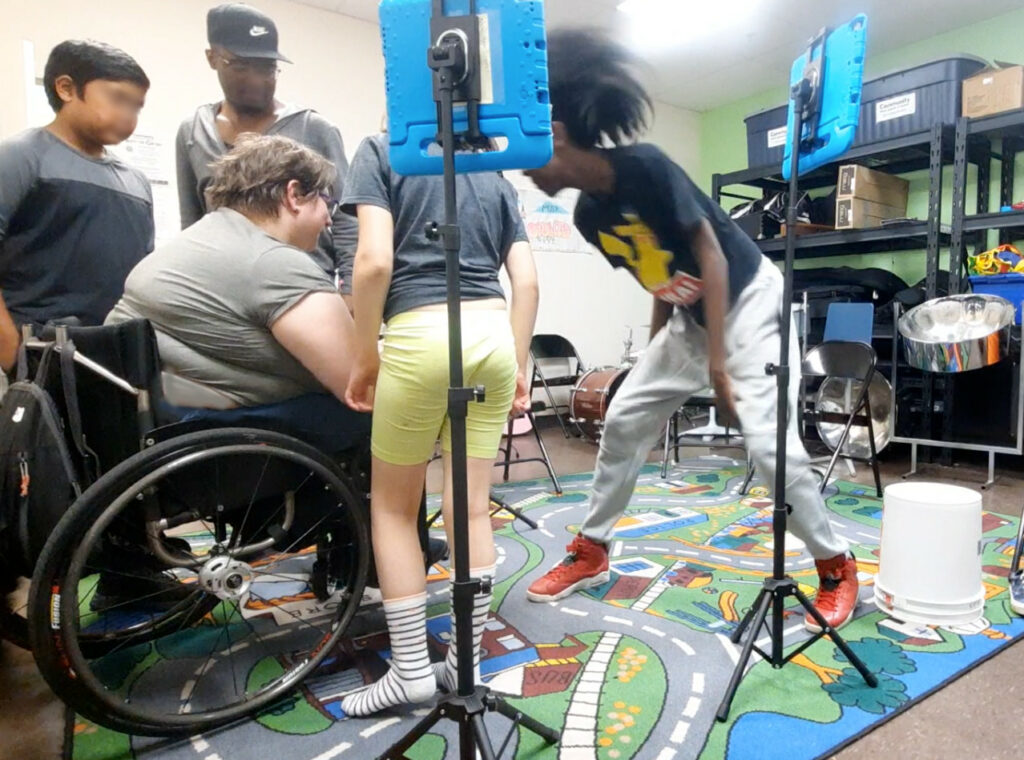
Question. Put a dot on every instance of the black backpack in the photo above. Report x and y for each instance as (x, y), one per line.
(39, 479)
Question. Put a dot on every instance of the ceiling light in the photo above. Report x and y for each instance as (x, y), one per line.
(666, 22)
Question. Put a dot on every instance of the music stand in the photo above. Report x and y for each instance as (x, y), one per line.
(819, 85)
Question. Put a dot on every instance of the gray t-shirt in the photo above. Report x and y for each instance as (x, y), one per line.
(199, 143)
(489, 223)
(71, 228)
(212, 294)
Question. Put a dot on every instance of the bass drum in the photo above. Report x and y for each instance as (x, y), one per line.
(591, 397)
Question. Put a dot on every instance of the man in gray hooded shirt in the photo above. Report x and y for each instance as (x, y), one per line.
(243, 51)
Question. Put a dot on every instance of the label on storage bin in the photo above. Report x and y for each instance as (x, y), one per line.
(777, 137)
(894, 108)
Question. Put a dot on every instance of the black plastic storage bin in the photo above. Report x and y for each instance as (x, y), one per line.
(897, 104)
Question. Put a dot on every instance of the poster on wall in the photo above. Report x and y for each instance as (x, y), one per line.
(549, 221)
(151, 155)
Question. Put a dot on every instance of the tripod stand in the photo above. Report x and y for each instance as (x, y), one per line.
(497, 505)
(807, 98)
(452, 60)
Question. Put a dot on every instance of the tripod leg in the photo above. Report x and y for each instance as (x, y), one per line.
(757, 621)
(480, 739)
(397, 750)
(745, 486)
(516, 513)
(751, 613)
(531, 724)
(838, 640)
(544, 455)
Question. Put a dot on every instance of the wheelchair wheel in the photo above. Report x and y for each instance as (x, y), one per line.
(198, 582)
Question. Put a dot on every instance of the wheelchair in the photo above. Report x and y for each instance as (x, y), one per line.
(203, 573)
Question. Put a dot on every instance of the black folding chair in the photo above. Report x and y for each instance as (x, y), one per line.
(556, 363)
(507, 460)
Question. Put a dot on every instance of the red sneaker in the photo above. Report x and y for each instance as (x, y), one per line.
(584, 567)
(837, 592)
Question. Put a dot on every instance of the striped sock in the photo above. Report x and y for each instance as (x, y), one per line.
(447, 671)
(410, 678)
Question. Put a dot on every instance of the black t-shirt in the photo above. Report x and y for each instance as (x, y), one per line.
(643, 226)
(489, 223)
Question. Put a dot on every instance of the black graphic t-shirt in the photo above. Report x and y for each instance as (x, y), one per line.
(644, 226)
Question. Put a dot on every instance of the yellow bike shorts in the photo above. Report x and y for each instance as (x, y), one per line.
(410, 408)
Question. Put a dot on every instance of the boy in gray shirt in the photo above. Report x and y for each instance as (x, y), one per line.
(74, 219)
(247, 67)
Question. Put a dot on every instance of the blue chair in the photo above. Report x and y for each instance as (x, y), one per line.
(852, 322)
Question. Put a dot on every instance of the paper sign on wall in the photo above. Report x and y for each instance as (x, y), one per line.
(549, 221)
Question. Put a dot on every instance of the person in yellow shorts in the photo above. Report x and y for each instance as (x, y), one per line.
(399, 278)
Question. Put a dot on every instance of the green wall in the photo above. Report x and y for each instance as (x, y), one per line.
(724, 136)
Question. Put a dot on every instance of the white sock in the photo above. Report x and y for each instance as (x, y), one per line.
(410, 678)
(447, 671)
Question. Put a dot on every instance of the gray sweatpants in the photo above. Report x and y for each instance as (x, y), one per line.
(673, 368)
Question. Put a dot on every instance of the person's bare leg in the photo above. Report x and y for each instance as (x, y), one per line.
(394, 502)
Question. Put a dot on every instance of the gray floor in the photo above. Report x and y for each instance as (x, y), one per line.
(975, 717)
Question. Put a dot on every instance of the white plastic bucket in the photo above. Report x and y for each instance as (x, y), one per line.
(929, 568)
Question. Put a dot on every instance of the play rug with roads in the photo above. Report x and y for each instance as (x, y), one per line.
(635, 668)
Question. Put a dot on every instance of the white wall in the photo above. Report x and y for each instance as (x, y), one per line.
(338, 70)
(338, 67)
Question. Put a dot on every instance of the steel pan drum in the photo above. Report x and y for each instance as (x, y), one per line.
(957, 333)
(837, 395)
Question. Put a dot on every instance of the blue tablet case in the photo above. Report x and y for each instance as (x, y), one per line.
(842, 77)
(518, 110)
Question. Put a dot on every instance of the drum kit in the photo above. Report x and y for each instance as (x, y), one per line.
(593, 393)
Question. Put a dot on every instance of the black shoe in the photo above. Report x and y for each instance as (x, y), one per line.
(437, 551)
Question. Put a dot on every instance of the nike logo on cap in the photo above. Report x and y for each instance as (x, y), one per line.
(258, 31)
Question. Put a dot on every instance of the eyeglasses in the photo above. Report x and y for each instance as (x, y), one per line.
(332, 204)
(258, 66)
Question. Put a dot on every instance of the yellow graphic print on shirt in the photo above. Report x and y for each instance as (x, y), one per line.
(649, 262)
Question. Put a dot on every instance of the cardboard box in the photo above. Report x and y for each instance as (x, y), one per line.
(997, 89)
(803, 228)
(868, 184)
(858, 213)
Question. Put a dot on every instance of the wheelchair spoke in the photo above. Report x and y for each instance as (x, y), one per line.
(280, 508)
(298, 618)
(201, 672)
(252, 500)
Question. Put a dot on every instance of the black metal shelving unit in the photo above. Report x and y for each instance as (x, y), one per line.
(930, 150)
(973, 143)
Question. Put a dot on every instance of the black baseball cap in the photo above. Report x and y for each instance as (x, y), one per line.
(243, 31)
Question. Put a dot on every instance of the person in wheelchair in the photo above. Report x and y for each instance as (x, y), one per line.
(251, 330)
(399, 278)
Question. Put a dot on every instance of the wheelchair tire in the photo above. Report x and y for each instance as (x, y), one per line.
(278, 611)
